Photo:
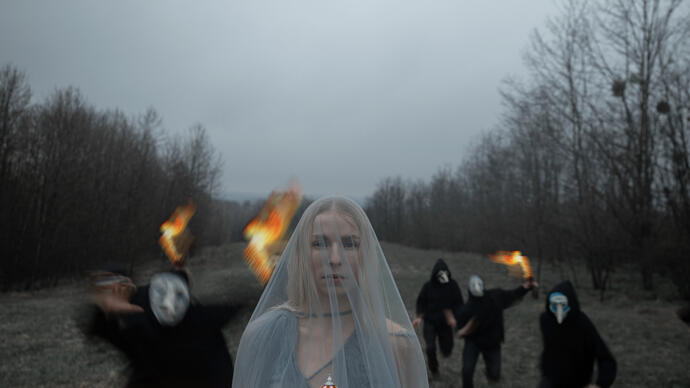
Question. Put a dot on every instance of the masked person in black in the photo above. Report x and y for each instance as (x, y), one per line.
(481, 323)
(438, 302)
(572, 344)
(170, 339)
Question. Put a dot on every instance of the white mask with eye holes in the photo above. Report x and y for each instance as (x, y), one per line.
(558, 304)
(476, 286)
(169, 298)
(442, 276)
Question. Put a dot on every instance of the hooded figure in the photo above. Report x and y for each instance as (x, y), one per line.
(571, 344)
(438, 302)
(173, 341)
(481, 320)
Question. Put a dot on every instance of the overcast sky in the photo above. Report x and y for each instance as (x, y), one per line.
(338, 94)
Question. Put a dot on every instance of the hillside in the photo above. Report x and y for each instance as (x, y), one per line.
(42, 347)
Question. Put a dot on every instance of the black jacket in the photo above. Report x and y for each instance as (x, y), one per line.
(488, 313)
(435, 297)
(571, 347)
(190, 354)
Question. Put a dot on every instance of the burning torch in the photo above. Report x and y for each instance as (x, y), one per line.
(265, 232)
(518, 265)
(176, 238)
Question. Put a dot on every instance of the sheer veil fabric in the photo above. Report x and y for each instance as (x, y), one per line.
(331, 308)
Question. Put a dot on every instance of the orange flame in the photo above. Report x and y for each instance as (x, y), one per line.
(266, 231)
(175, 239)
(513, 259)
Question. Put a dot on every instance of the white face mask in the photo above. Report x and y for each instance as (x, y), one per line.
(558, 304)
(476, 286)
(169, 298)
(442, 276)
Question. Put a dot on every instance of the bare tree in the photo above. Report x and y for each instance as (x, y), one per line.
(80, 187)
(631, 50)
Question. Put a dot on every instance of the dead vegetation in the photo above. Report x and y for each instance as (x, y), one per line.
(42, 346)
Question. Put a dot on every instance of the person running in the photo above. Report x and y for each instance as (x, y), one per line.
(572, 344)
(438, 301)
(481, 324)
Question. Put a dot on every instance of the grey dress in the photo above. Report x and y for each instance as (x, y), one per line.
(285, 370)
(281, 369)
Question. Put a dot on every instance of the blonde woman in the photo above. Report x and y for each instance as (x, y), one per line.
(331, 309)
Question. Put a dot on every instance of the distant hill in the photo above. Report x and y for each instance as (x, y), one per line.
(240, 197)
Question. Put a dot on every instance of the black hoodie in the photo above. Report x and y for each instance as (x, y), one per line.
(436, 297)
(191, 354)
(571, 347)
(487, 310)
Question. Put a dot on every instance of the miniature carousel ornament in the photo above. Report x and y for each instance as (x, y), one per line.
(329, 383)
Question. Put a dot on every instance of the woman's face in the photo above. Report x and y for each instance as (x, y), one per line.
(334, 248)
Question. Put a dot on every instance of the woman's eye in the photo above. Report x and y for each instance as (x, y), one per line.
(318, 244)
(350, 243)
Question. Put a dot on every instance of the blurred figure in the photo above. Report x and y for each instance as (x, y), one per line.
(170, 339)
(481, 322)
(572, 344)
(438, 302)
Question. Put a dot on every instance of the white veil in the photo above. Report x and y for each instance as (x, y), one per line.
(331, 308)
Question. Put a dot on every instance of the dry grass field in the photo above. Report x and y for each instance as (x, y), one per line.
(41, 346)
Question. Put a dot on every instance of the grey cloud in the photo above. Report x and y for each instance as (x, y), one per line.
(337, 94)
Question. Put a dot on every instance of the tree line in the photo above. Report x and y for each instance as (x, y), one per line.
(81, 187)
(590, 160)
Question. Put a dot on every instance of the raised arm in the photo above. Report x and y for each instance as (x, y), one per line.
(509, 297)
